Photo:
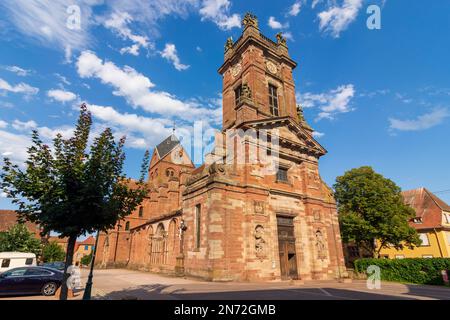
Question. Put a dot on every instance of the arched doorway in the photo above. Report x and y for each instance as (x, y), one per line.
(159, 246)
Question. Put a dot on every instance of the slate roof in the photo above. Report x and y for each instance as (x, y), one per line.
(167, 146)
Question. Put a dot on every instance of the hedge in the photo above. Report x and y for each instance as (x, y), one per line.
(416, 270)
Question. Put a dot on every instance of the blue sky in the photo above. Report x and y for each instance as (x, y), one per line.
(374, 97)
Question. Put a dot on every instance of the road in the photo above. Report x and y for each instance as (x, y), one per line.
(118, 284)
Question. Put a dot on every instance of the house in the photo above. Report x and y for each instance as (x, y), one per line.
(432, 222)
(83, 248)
(62, 242)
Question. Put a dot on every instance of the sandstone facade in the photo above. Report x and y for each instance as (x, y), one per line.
(257, 210)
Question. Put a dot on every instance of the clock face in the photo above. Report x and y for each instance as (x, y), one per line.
(271, 67)
(236, 70)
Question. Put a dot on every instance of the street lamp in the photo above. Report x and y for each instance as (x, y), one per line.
(88, 289)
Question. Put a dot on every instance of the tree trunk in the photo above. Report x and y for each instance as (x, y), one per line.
(69, 261)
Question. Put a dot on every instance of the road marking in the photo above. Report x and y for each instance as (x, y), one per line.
(326, 292)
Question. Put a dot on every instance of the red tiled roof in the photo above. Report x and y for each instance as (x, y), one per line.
(428, 207)
(88, 241)
(8, 218)
(58, 240)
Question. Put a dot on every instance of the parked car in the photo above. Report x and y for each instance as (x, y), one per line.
(10, 260)
(57, 265)
(30, 280)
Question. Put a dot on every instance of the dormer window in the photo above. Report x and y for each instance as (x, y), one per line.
(417, 220)
(447, 218)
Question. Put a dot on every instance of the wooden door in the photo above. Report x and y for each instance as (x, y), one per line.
(286, 244)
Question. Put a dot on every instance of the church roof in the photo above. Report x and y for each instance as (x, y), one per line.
(167, 146)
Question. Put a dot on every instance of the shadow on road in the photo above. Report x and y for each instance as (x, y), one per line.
(161, 292)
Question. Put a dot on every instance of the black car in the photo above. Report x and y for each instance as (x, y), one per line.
(54, 265)
(30, 280)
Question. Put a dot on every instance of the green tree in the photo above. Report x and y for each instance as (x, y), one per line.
(53, 252)
(371, 208)
(19, 239)
(86, 260)
(74, 189)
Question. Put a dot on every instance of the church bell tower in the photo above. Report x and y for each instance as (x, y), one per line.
(257, 78)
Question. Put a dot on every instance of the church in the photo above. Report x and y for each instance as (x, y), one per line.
(257, 209)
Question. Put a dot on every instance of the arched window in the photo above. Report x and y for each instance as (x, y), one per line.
(159, 246)
(127, 226)
(173, 237)
(141, 212)
(170, 172)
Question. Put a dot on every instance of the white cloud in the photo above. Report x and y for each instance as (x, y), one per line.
(23, 88)
(61, 95)
(17, 70)
(330, 103)
(46, 133)
(295, 9)
(14, 146)
(119, 22)
(288, 35)
(46, 21)
(130, 121)
(336, 19)
(422, 122)
(170, 54)
(24, 126)
(315, 3)
(50, 133)
(317, 134)
(274, 24)
(137, 89)
(62, 79)
(3, 124)
(218, 11)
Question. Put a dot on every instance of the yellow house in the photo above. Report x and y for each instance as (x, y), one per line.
(432, 222)
(83, 248)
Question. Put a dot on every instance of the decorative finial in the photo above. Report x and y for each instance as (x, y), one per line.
(301, 118)
(229, 44)
(300, 113)
(250, 20)
(281, 39)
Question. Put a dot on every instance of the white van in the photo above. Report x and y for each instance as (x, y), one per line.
(10, 260)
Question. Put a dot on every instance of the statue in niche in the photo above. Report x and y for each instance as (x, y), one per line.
(260, 242)
(246, 91)
(320, 245)
(259, 207)
(105, 257)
